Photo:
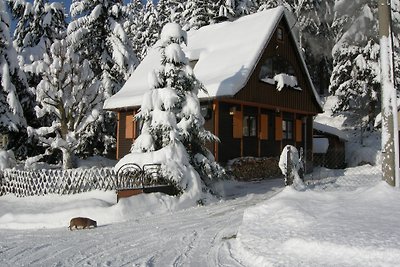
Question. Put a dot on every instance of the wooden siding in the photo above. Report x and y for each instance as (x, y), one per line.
(229, 147)
(257, 91)
(209, 125)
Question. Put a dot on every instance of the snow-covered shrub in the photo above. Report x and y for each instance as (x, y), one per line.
(290, 164)
(7, 160)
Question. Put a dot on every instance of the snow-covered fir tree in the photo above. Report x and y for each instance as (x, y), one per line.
(47, 23)
(134, 13)
(11, 114)
(38, 26)
(97, 33)
(355, 76)
(245, 7)
(197, 14)
(170, 111)
(69, 93)
(224, 9)
(149, 28)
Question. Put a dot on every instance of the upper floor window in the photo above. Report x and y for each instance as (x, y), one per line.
(279, 34)
(277, 70)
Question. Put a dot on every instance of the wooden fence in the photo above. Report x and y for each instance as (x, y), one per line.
(42, 182)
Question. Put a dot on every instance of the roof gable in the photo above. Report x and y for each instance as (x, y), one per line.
(226, 54)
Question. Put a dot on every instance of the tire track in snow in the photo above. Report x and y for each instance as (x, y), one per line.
(200, 236)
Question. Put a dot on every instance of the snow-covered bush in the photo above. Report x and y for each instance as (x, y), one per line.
(290, 164)
(7, 160)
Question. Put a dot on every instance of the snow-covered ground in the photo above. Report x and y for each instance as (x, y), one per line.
(344, 220)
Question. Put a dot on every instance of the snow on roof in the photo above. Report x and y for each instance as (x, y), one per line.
(330, 130)
(238, 43)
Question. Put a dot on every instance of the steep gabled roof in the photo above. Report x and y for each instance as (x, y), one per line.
(226, 55)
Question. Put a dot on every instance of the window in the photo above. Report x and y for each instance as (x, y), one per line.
(287, 129)
(274, 66)
(249, 126)
(279, 34)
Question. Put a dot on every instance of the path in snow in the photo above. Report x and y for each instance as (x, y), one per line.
(199, 236)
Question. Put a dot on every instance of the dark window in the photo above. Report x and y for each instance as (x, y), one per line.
(279, 34)
(274, 66)
(287, 129)
(249, 126)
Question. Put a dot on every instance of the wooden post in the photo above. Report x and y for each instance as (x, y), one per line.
(216, 127)
(389, 105)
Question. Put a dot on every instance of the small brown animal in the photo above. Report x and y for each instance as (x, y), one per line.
(81, 223)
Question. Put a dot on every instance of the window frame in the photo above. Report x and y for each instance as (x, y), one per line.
(287, 129)
(280, 34)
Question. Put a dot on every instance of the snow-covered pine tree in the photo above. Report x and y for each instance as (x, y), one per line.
(224, 9)
(149, 28)
(14, 94)
(169, 11)
(11, 114)
(97, 33)
(355, 76)
(245, 7)
(69, 93)
(39, 25)
(170, 111)
(197, 14)
(134, 13)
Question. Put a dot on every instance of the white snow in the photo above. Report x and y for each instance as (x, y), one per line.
(330, 130)
(7, 159)
(225, 60)
(283, 80)
(343, 220)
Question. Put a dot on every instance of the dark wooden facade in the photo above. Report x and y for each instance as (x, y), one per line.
(260, 105)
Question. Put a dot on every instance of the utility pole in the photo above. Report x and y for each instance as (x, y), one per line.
(390, 142)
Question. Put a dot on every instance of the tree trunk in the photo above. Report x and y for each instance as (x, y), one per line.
(68, 159)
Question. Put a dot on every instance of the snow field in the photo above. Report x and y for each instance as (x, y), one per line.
(342, 227)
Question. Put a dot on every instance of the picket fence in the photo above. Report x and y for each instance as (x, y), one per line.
(41, 182)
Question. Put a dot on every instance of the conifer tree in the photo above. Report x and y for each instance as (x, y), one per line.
(39, 25)
(11, 114)
(170, 111)
(355, 76)
(149, 29)
(197, 14)
(133, 27)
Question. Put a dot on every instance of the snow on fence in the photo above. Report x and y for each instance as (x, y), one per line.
(42, 182)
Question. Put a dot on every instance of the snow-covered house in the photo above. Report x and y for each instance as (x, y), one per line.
(259, 93)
